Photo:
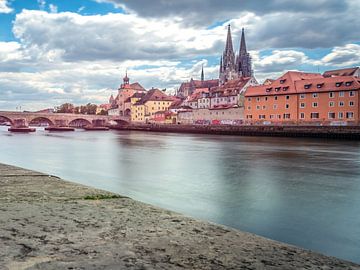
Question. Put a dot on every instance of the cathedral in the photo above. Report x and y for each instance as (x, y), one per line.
(231, 66)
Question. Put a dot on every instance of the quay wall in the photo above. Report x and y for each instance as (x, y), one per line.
(338, 132)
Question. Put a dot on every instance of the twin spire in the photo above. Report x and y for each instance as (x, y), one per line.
(231, 66)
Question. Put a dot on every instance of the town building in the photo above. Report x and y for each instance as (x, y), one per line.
(125, 91)
(155, 100)
(234, 66)
(305, 98)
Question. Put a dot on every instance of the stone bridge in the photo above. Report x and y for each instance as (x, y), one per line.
(63, 119)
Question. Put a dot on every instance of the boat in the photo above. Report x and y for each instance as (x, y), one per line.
(55, 128)
(21, 129)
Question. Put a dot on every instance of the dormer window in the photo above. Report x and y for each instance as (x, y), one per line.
(348, 83)
(285, 88)
(307, 86)
(277, 89)
(319, 85)
(338, 84)
(282, 81)
(268, 89)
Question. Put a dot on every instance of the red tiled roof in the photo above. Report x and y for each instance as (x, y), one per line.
(328, 84)
(154, 95)
(341, 72)
(284, 85)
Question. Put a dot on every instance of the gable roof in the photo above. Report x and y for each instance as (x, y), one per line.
(154, 95)
(341, 72)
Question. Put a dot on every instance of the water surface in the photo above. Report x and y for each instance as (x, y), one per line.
(304, 192)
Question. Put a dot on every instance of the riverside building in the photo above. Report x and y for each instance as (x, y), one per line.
(306, 98)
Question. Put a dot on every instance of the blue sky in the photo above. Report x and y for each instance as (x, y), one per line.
(53, 52)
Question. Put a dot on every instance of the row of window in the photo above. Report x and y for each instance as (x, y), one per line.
(313, 115)
(331, 115)
(331, 104)
(314, 95)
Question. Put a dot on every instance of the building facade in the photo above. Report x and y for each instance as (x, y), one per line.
(304, 98)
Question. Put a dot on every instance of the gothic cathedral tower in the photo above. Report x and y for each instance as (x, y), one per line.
(233, 68)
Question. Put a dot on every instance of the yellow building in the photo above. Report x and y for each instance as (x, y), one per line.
(143, 110)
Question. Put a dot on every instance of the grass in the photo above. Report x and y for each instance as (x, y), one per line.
(102, 197)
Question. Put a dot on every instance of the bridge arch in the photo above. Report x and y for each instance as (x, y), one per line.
(79, 122)
(41, 119)
(7, 119)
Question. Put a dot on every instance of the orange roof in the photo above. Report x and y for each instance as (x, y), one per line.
(329, 84)
(154, 95)
(341, 72)
(284, 85)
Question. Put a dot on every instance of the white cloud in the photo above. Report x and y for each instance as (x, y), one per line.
(53, 8)
(348, 55)
(4, 7)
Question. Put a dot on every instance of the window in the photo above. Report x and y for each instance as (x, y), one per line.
(314, 115)
(272, 116)
(286, 115)
(351, 103)
(264, 107)
(287, 97)
(307, 86)
(338, 84)
(249, 116)
(348, 83)
(331, 95)
(249, 99)
(285, 88)
(331, 115)
(257, 99)
(302, 105)
(314, 104)
(287, 106)
(249, 108)
(282, 81)
(258, 107)
(319, 85)
(302, 115)
(275, 97)
(262, 116)
(268, 89)
(341, 103)
(351, 94)
(275, 106)
(341, 115)
(331, 104)
(349, 115)
(277, 89)
(266, 98)
(341, 94)
(279, 116)
(315, 95)
(302, 96)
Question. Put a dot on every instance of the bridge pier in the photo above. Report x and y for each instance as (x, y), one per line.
(20, 125)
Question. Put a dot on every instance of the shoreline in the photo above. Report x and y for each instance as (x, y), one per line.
(50, 223)
(331, 132)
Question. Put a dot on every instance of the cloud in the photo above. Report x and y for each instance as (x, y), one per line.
(53, 8)
(348, 55)
(4, 7)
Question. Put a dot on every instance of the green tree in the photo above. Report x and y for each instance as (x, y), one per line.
(66, 108)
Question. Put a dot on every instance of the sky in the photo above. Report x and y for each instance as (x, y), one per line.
(55, 51)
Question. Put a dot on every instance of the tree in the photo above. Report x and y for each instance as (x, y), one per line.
(66, 108)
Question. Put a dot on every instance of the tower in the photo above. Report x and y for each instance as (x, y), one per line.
(227, 63)
(230, 67)
(243, 61)
(202, 73)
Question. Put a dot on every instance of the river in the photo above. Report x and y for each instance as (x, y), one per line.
(305, 192)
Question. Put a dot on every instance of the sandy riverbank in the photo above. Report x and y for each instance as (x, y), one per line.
(48, 223)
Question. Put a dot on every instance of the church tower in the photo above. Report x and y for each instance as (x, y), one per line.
(243, 61)
(233, 68)
(227, 62)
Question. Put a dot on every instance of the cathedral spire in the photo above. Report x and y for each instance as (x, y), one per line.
(229, 43)
(202, 72)
(243, 50)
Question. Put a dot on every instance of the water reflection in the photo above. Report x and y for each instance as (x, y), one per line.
(301, 191)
